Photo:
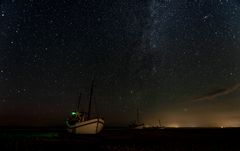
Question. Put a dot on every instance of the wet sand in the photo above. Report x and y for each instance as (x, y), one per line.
(172, 139)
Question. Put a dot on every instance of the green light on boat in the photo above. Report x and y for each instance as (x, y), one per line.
(74, 114)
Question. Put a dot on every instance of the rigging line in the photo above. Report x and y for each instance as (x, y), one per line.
(79, 101)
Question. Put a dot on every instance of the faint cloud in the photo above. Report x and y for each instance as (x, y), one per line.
(217, 93)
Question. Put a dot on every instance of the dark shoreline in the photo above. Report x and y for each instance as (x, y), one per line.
(121, 139)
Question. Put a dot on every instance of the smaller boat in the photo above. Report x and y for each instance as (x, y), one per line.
(157, 126)
(137, 124)
(82, 123)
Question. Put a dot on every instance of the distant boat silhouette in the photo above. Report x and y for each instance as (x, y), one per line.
(159, 126)
(137, 124)
(81, 122)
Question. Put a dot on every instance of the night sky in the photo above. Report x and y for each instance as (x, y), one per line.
(177, 61)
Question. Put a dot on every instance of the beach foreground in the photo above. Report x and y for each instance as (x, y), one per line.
(173, 139)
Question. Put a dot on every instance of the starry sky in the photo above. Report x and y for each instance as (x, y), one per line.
(177, 61)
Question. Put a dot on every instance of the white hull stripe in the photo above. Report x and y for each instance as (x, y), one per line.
(100, 122)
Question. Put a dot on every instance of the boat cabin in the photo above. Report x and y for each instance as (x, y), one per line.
(77, 117)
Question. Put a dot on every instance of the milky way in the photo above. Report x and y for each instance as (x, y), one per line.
(156, 55)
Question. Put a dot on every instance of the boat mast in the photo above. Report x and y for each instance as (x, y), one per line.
(160, 125)
(137, 115)
(79, 99)
(90, 100)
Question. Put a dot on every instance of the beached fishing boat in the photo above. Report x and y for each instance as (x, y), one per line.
(82, 122)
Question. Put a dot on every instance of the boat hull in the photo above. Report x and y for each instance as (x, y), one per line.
(92, 126)
(137, 126)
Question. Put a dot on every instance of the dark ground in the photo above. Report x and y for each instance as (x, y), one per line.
(178, 139)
